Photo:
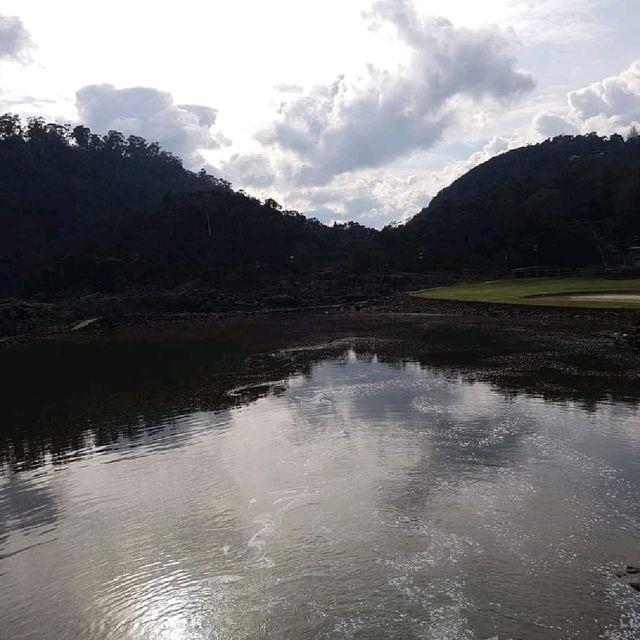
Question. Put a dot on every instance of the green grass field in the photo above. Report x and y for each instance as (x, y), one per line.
(554, 292)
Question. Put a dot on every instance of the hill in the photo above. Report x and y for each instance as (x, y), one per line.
(570, 201)
(82, 212)
(60, 185)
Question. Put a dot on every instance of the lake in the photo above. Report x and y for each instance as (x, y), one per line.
(357, 487)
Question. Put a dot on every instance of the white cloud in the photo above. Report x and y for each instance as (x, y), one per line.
(557, 21)
(373, 197)
(549, 125)
(370, 121)
(254, 169)
(15, 41)
(288, 88)
(610, 104)
(607, 106)
(183, 129)
(325, 151)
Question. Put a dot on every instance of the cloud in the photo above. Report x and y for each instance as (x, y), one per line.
(550, 125)
(373, 197)
(368, 122)
(206, 115)
(326, 151)
(559, 21)
(32, 101)
(15, 41)
(608, 106)
(376, 197)
(182, 129)
(253, 169)
(288, 88)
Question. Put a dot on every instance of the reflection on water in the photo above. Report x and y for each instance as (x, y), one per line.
(334, 494)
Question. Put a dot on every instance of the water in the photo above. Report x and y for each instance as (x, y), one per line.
(335, 492)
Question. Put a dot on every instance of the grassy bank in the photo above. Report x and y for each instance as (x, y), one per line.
(556, 292)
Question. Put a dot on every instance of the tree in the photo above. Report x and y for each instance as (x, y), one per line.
(114, 141)
(81, 136)
(58, 133)
(96, 142)
(36, 131)
(136, 147)
(10, 126)
(270, 203)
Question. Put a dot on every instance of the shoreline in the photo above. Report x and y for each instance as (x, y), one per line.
(578, 357)
(24, 322)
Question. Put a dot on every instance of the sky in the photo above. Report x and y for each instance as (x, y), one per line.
(360, 110)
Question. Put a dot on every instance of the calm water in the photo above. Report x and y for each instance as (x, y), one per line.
(349, 495)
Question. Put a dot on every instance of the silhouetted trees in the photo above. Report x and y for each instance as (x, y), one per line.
(80, 211)
(569, 201)
(60, 186)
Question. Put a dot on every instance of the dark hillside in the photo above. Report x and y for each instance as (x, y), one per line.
(570, 201)
(223, 236)
(83, 213)
(58, 184)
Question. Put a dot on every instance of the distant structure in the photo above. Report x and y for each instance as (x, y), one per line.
(539, 271)
(587, 156)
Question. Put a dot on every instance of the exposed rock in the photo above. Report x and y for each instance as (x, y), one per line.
(84, 324)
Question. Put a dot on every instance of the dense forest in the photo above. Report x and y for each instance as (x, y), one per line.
(87, 213)
(570, 201)
(82, 211)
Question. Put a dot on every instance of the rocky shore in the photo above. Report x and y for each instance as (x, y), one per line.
(26, 321)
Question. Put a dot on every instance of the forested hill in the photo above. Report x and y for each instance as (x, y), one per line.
(59, 185)
(572, 200)
(86, 212)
